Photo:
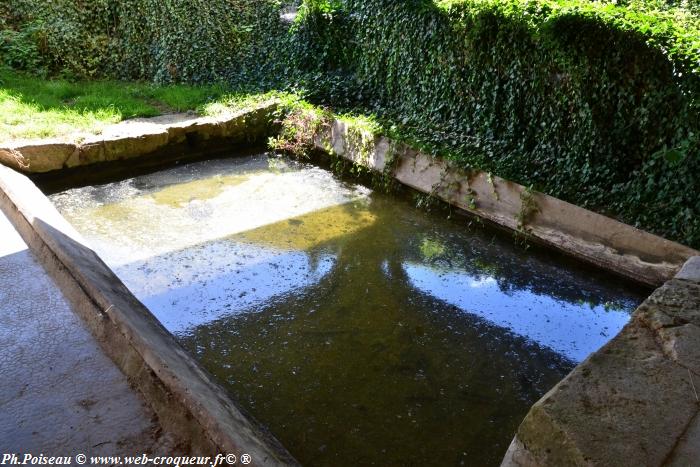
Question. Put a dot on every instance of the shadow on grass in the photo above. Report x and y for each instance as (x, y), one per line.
(33, 107)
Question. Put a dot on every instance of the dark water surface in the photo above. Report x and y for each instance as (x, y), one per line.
(360, 330)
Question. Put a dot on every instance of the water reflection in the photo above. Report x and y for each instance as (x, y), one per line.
(571, 330)
(168, 211)
(206, 282)
(360, 330)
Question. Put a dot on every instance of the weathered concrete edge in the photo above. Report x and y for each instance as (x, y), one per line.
(187, 401)
(605, 411)
(589, 236)
(136, 138)
(565, 426)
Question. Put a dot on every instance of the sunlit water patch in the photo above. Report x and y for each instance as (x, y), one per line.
(359, 330)
(567, 328)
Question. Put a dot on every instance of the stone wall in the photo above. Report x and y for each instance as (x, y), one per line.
(138, 138)
(635, 401)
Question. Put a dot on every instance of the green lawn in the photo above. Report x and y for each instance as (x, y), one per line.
(40, 108)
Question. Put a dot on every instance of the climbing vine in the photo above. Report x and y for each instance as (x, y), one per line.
(165, 41)
(594, 103)
(528, 209)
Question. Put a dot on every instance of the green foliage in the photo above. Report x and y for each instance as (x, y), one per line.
(167, 41)
(319, 31)
(299, 126)
(197, 40)
(71, 36)
(22, 49)
(594, 103)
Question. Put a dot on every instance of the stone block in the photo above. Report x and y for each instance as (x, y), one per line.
(87, 153)
(118, 147)
(42, 156)
(678, 300)
(626, 405)
(13, 158)
(690, 270)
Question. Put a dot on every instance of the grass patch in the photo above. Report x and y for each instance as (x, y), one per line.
(33, 107)
(237, 101)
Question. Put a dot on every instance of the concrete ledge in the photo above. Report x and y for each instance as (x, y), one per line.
(137, 138)
(634, 402)
(187, 401)
(584, 234)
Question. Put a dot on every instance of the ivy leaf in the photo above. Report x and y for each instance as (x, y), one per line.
(674, 156)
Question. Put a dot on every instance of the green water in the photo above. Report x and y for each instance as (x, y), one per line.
(359, 330)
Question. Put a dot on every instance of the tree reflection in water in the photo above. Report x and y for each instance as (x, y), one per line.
(360, 330)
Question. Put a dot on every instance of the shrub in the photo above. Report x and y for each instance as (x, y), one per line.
(72, 37)
(22, 49)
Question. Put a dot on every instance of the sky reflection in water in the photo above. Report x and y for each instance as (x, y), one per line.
(359, 329)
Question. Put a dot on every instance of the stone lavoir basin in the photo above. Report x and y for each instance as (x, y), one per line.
(357, 328)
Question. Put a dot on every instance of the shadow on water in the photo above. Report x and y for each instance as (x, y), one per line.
(361, 331)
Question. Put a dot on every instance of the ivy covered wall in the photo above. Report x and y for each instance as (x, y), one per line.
(198, 40)
(161, 40)
(50, 36)
(596, 104)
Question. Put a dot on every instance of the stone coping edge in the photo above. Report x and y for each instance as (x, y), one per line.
(635, 401)
(588, 236)
(137, 138)
(188, 402)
